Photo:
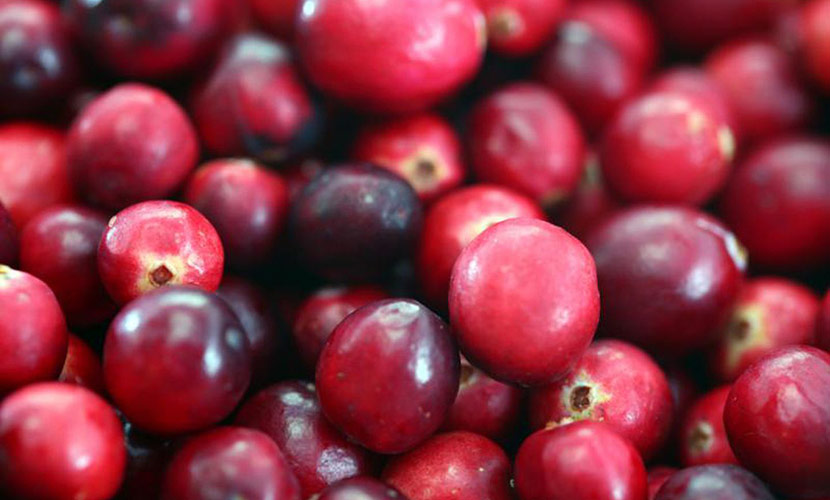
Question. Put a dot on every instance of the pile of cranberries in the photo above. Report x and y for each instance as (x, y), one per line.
(415, 249)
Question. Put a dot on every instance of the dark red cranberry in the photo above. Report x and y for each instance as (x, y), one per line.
(277, 16)
(147, 459)
(458, 465)
(703, 437)
(9, 244)
(299, 174)
(525, 138)
(59, 441)
(657, 477)
(82, 366)
(667, 276)
(406, 354)
(713, 482)
(589, 205)
(823, 330)
(158, 243)
(520, 27)
(354, 221)
(777, 418)
(563, 464)
(815, 32)
(176, 360)
(33, 336)
(615, 383)
(362, 488)
(132, 143)
(60, 246)
(230, 462)
(430, 48)
(534, 280)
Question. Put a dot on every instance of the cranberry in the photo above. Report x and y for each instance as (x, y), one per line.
(667, 276)
(277, 16)
(59, 441)
(230, 462)
(33, 336)
(777, 417)
(520, 27)
(430, 48)
(657, 477)
(713, 482)
(422, 148)
(158, 243)
(562, 464)
(702, 433)
(9, 244)
(362, 488)
(815, 31)
(299, 174)
(589, 205)
(147, 458)
(130, 144)
(458, 465)
(354, 221)
(524, 137)
(823, 331)
(534, 280)
(60, 246)
(660, 128)
(406, 354)
(176, 360)
(453, 222)
(82, 366)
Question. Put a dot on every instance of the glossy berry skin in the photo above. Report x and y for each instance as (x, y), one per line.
(713, 482)
(32, 345)
(158, 243)
(230, 462)
(176, 360)
(534, 280)
(670, 301)
(784, 395)
(453, 222)
(82, 367)
(657, 477)
(9, 244)
(562, 464)
(458, 465)
(614, 383)
(546, 164)
(422, 148)
(59, 441)
(406, 354)
(703, 437)
(823, 326)
(430, 49)
(276, 16)
(362, 488)
(667, 147)
(246, 203)
(520, 27)
(130, 144)
(778, 203)
(354, 221)
(318, 456)
(815, 49)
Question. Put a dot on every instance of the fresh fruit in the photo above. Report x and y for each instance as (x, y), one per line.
(703, 437)
(713, 482)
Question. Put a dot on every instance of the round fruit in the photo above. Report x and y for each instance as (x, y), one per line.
(703, 437)
(713, 482)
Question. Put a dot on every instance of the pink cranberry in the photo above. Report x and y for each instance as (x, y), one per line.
(702, 433)
(158, 243)
(9, 244)
(534, 280)
(430, 48)
(563, 464)
(589, 205)
(277, 16)
(525, 138)
(82, 366)
(520, 27)
(657, 477)
(815, 30)
(60, 441)
(230, 462)
(176, 360)
(823, 329)
(406, 354)
(130, 144)
(33, 337)
(362, 488)
(713, 482)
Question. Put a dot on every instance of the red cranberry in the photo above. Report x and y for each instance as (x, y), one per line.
(132, 143)
(176, 360)
(277, 16)
(362, 488)
(615, 383)
(778, 203)
(660, 128)
(589, 205)
(713, 482)
(520, 27)
(406, 354)
(524, 137)
(562, 464)
(422, 148)
(702, 433)
(531, 279)
(657, 477)
(60, 441)
(82, 366)
(158, 243)
(453, 222)
(667, 276)
(458, 465)
(823, 331)
(777, 419)
(230, 462)
(33, 336)
(430, 48)
(60, 246)
(815, 30)
(9, 244)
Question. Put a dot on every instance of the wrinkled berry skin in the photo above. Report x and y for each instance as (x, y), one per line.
(354, 221)
(405, 352)
(430, 48)
(363, 488)
(713, 482)
(562, 464)
(176, 360)
(702, 434)
(82, 367)
(59, 441)
(9, 244)
(520, 27)
(779, 405)
(458, 465)
(670, 301)
(815, 45)
(534, 280)
(276, 16)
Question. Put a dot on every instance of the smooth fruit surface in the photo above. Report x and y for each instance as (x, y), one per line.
(713, 482)
(703, 437)
(82, 367)
(520, 27)
(362, 488)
